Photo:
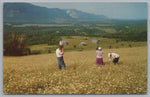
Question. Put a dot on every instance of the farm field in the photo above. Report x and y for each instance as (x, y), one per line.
(74, 44)
(39, 74)
(33, 32)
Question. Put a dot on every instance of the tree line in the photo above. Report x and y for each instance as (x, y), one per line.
(17, 39)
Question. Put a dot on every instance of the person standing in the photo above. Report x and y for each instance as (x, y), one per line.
(99, 58)
(59, 54)
(114, 56)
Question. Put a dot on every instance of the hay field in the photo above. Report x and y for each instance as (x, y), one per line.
(39, 74)
(76, 40)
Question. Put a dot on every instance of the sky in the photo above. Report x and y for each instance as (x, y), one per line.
(111, 10)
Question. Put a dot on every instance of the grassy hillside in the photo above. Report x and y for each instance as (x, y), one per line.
(76, 40)
(39, 74)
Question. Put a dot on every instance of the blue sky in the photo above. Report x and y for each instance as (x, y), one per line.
(111, 10)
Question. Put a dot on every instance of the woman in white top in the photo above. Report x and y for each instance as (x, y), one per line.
(115, 56)
(99, 58)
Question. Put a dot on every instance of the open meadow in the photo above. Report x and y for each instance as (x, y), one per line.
(39, 74)
(74, 44)
(32, 32)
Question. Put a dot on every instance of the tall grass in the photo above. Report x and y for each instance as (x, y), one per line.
(39, 74)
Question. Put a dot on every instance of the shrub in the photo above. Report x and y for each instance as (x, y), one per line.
(34, 52)
(74, 46)
(130, 45)
(110, 47)
(15, 45)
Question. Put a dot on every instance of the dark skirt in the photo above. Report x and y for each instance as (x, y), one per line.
(99, 61)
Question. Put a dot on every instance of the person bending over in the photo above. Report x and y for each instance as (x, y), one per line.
(114, 56)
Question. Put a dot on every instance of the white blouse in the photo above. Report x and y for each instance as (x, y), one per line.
(58, 53)
(99, 54)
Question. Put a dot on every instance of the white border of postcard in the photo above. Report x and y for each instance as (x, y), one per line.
(1, 45)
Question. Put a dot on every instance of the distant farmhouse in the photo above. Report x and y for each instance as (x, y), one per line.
(57, 32)
(62, 42)
(83, 43)
(95, 41)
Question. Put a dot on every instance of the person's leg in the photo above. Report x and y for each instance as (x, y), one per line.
(114, 60)
(59, 62)
(102, 61)
(98, 61)
(117, 59)
(64, 65)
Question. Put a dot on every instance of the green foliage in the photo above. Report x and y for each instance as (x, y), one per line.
(34, 34)
(51, 34)
(126, 32)
(15, 45)
(36, 52)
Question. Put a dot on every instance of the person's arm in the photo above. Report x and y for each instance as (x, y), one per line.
(62, 51)
(96, 51)
(110, 58)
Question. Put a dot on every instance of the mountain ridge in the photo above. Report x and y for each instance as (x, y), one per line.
(28, 13)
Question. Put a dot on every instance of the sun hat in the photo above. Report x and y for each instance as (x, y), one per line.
(99, 48)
